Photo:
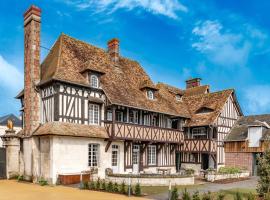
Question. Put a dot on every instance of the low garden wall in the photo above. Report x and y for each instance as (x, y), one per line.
(151, 179)
(226, 173)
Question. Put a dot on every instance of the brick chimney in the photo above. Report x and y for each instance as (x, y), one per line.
(31, 68)
(113, 49)
(193, 82)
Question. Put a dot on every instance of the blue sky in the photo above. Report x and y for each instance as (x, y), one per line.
(226, 43)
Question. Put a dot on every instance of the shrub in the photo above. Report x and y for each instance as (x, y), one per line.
(238, 196)
(196, 196)
(220, 196)
(207, 196)
(229, 170)
(116, 187)
(138, 191)
(251, 196)
(92, 185)
(109, 188)
(185, 195)
(85, 185)
(174, 195)
(123, 187)
(42, 182)
(98, 184)
(103, 185)
(263, 186)
(190, 171)
(20, 178)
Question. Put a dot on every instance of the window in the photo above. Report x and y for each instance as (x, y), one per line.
(109, 115)
(119, 116)
(93, 155)
(199, 133)
(194, 157)
(178, 97)
(152, 156)
(150, 94)
(115, 149)
(94, 81)
(94, 114)
(133, 116)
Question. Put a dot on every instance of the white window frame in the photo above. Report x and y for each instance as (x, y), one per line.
(109, 115)
(178, 97)
(150, 94)
(93, 155)
(94, 82)
(115, 160)
(152, 155)
(94, 114)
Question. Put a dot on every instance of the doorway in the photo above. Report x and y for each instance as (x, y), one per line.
(178, 161)
(205, 161)
(2, 163)
(135, 159)
(255, 163)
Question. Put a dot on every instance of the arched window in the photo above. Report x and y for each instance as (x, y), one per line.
(94, 81)
(150, 94)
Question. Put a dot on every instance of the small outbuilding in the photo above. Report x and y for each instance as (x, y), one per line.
(247, 140)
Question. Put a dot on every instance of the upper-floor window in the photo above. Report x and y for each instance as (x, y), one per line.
(199, 133)
(150, 94)
(93, 155)
(133, 116)
(109, 115)
(94, 81)
(94, 114)
(119, 115)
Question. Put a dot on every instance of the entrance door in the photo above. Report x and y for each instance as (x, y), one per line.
(178, 161)
(136, 159)
(2, 163)
(255, 164)
(115, 158)
(205, 161)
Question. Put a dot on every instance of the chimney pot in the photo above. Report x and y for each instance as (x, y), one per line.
(193, 82)
(113, 49)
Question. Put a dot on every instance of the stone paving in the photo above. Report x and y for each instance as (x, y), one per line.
(214, 187)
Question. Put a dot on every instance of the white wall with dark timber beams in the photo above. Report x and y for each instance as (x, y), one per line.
(225, 122)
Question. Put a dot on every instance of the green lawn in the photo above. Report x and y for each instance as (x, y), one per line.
(230, 194)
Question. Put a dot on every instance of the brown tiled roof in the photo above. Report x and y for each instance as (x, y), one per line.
(71, 129)
(239, 132)
(214, 101)
(204, 89)
(121, 82)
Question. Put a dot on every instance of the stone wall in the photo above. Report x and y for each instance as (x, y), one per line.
(153, 181)
(243, 160)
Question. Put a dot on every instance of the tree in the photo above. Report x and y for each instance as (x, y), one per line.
(263, 186)
(138, 191)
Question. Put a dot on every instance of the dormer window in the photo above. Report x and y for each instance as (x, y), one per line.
(94, 81)
(150, 94)
(178, 97)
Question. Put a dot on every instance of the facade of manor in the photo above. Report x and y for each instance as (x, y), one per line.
(85, 108)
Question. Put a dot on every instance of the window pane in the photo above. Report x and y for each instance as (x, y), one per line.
(94, 81)
(93, 155)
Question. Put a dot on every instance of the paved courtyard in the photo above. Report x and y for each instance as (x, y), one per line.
(11, 190)
(214, 187)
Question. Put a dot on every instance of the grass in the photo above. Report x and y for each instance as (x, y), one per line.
(229, 194)
(150, 190)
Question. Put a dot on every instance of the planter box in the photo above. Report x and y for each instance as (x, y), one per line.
(214, 177)
(154, 180)
(67, 179)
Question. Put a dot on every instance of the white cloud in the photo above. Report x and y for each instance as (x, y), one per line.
(167, 8)
(224, 47)
(257, 99)
(10, 77)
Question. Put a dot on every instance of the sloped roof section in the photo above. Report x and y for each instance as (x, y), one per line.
(71, 129)
(16, 121)
(214, 101)
(239, 132)
(121, 82)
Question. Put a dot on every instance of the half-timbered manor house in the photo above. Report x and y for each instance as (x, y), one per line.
(85, 107)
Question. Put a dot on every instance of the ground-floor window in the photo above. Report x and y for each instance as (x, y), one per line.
(93, 155)
(152, 155)
(194, 157)
(115, 150)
